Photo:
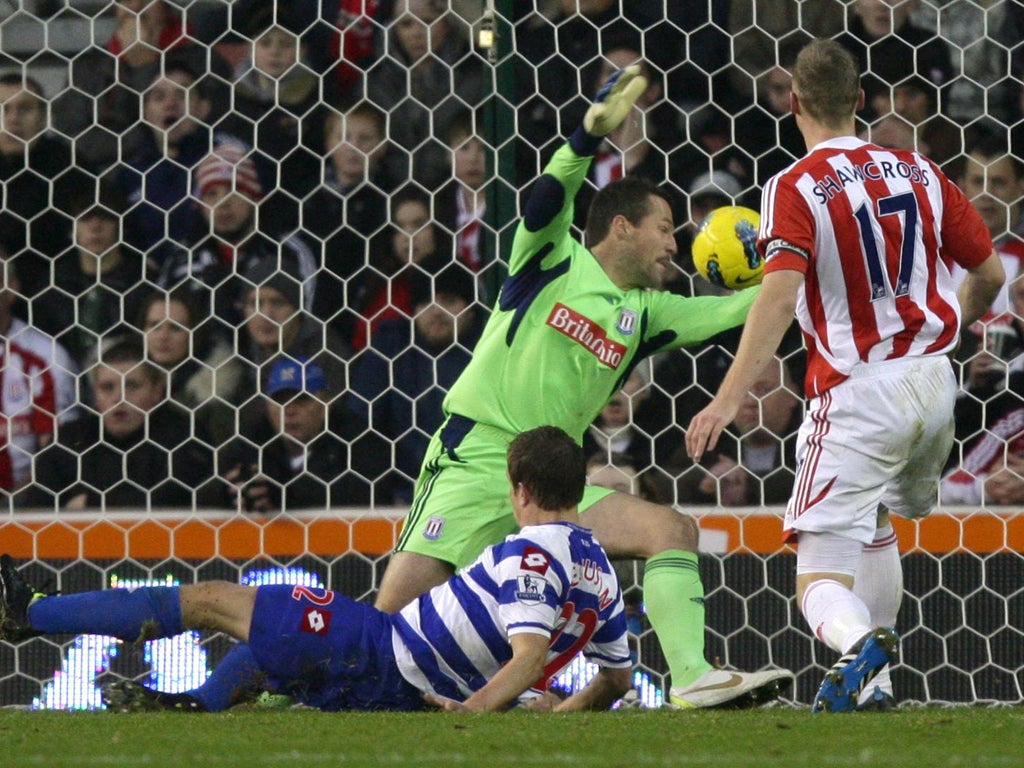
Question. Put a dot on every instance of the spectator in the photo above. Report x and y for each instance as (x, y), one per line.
(426, 73)
(204, 375)
(615, 471)
(681, 383)
(401, 379)
(338, 34)
(981, 38)
(893, 132)
(227, 243)
(274, 108)
(916, 101)
(275, 325)
(460, 207)
(989, 468)
(352, 45)
(767, 131)
(759, 466)
(619, 473)
(890, 48)
(993, 180)
(37, 388)
(615, 431)
(100, 101)
(134, 449)
(706, 193)
(646, 144)
(579, 34)
(760, 27)
(99, 284)
(39, 182)
(173, 136)
(350, 208)
(311, 461)
(411, 250)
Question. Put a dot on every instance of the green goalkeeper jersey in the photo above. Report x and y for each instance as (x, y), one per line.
(563, 337)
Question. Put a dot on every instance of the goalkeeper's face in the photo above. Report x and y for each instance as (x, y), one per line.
(650, 245)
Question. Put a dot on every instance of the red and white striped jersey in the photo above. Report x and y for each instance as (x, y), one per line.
(37, 377)
(875, 232)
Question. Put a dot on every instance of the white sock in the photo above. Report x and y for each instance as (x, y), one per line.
(835, 614)
(879, 583)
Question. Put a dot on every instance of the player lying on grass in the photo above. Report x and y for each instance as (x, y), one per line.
(489, 636)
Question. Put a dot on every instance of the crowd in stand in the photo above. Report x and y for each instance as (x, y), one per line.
(242, 272)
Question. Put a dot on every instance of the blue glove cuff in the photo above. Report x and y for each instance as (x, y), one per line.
(583, 143)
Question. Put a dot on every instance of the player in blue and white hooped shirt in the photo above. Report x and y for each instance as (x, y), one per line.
(489, 637)
(551, 583)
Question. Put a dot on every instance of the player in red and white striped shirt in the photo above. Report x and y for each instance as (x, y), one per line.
(859, 242)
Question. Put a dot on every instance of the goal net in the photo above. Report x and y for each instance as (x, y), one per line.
(206, 200)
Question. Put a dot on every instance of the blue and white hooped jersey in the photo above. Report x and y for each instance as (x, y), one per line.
(552, 579)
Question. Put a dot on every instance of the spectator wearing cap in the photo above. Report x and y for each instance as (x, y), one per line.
(133, 449)
(710, 191)
(317, 455)
(401, 379)
(275, 324)
(99, 284)
(227, 243)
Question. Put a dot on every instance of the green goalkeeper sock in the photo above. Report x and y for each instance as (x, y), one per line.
(674, 599)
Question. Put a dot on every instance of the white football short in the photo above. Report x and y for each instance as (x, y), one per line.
(881, 436)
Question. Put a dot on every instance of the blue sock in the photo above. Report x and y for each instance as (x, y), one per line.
(146, 612)
(237, 675)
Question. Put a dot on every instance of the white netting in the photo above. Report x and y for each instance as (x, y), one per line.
(380, 165)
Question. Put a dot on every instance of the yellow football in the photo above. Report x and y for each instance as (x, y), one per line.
(725, 247)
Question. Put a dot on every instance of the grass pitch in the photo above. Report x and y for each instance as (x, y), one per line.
(783, 737)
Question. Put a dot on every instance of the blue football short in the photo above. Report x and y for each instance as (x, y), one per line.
(327, 650)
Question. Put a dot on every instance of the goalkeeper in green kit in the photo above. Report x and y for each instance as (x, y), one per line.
(570, 324)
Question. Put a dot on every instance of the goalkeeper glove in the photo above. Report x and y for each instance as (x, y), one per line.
(614, 101)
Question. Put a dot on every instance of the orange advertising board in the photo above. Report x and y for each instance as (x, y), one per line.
(202, 535)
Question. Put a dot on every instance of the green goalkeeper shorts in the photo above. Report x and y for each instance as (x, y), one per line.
(462, 502)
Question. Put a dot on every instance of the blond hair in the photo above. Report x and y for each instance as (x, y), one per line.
(827, 82)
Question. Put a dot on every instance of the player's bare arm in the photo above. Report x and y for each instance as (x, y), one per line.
(770, 315)
(980, 288)
(607, 686)
(524, 669)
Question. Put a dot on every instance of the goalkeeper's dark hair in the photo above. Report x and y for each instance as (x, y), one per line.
(629, 196)
(550, 464)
